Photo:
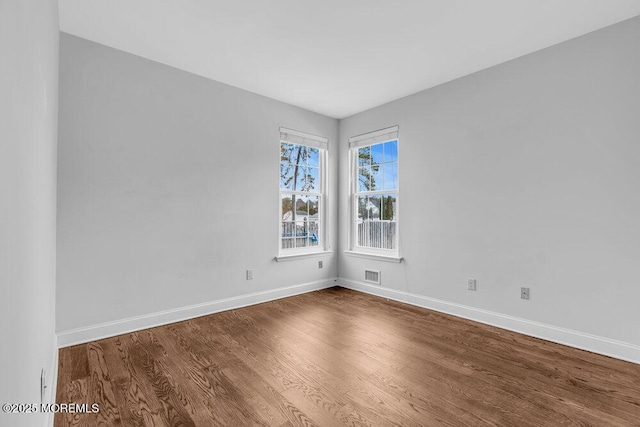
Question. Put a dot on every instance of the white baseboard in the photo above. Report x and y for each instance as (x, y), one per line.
(596, 344)
(119, 327)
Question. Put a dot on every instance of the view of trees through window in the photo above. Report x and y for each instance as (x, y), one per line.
(376, 195)
(300, 194)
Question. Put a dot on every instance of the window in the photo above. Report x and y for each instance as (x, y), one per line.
(374, 192)
(302, 186)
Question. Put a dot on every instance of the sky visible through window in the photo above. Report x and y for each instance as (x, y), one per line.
(300, 195)
(378, 167)
(376, 195)
(299, 168)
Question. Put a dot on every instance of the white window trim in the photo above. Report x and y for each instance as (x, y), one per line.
(293, 257)
(302, 138)
(322, 143)
(377, 257)
(371, 138)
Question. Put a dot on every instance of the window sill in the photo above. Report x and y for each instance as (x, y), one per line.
(386, 258)
(292, 257)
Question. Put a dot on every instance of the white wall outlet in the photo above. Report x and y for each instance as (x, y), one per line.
(471, 284)
(320, 264)
(43, 384)
(249, 274)
(524, 293)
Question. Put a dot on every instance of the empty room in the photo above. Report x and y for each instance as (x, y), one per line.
(294, 213)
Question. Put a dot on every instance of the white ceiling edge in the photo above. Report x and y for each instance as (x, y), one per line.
(334, 57)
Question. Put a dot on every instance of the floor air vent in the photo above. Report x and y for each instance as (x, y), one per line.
(372, 276)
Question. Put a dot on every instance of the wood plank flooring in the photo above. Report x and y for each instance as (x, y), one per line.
(339, 357)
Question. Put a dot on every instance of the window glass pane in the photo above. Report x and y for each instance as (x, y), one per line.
(302, 207)
(287, 205)
(361, 233)
(362, 207)
(297, 153)
(286, 175)
(302, 232)
(374, 207)
(304, 156)
(314, 208)
(312, 182)
(285, 151)
(376, 153)
(389, 207)
(286, 168)
(288, 231)
(391, 151)
(390, 176)
(288, 228)
(364, 178)
(288, 243)
(314, 233)
(299, 174)
(314, 157)
(376, 226)
(364, 156)
(376, 177)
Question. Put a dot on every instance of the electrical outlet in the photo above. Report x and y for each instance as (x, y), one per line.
(319, 264)
(43, 384)
(249, 274)
(524, 293)
(471, 284)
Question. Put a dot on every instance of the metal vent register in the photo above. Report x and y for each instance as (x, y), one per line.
(372, 276)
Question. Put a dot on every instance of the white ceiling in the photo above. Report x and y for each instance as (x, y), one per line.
(336, 57)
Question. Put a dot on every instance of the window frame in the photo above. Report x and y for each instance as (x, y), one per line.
(355, 143)
(291, 136)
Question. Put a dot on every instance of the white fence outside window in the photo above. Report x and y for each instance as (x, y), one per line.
(379, 234)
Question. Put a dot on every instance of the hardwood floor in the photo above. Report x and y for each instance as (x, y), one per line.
(340, 357)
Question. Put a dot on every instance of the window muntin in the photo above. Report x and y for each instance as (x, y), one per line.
(302, 196)
(375, 193)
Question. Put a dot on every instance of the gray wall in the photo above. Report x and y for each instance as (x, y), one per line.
(168, 188)
(28, 134)
(524, 174)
